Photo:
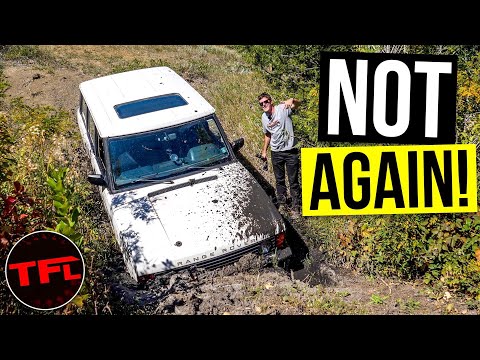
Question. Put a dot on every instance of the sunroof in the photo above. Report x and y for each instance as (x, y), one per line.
(144, 106)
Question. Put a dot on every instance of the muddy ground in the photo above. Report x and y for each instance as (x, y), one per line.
(310, 286)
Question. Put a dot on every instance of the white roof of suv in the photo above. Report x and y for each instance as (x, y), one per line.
(103, 94)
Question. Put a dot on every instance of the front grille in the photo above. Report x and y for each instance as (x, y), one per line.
(219, 261)
(227, 258)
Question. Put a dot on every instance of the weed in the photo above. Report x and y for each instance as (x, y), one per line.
(274, 260)
(449, 308)
(257, 290)
(329, 305)
(136, 64)
(410, 305)
(195, 69)
(66, 214)
(7, 159)
(473, 304)
(4, 84)
(24, 53)
(378, 299)
(307, 262)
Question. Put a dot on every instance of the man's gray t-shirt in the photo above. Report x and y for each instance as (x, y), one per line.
(280, 127)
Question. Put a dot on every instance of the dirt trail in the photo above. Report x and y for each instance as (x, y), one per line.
(40, 87)
(309, 287)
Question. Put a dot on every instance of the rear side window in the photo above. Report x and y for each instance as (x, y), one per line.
(83, 108)
(91, 130)
(145, 106)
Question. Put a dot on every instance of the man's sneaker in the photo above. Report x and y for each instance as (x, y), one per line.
(281, 204)
(280, 201)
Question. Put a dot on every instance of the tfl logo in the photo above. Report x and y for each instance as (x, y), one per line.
(45, 270)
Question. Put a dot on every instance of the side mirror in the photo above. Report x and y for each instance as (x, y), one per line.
(97, 179)
(237, 144)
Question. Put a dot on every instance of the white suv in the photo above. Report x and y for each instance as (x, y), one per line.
(174, 191)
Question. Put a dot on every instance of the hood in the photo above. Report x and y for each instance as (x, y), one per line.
(223, 206)
(199, 216)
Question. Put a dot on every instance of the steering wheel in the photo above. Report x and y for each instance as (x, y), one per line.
(176, 159)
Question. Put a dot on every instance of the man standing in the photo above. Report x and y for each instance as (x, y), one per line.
(278, 130)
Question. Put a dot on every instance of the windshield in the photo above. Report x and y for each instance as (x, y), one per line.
(166, 153)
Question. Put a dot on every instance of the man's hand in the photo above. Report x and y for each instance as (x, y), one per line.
(264, 155)
(288, 103)
(291, 103)
(265, 162)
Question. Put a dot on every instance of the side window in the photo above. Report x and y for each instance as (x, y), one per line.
(95, 140)
(101, 153)
(83, 109)
(91, 131)
(212, 127)
(214, 133)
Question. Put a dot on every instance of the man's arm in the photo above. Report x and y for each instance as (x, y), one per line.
(291, 103)
(266, 142)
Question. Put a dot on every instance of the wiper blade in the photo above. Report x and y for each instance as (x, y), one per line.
(210, 167)
(190, 182)
(151, 178)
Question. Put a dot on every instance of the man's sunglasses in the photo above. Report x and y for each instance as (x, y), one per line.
(264, 102)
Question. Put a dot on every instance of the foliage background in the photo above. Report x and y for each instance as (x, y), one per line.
(442, 249)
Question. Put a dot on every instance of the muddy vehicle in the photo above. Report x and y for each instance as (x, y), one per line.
(173, 189)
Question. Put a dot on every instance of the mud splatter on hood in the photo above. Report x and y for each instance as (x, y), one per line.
(201, 215)
(227, 206)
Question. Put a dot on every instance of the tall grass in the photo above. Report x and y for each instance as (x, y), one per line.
(25, 53)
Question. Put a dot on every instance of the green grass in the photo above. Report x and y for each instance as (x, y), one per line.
(378, 299)
(343, 293)
(4, 85)
(409, 305)
(25, 53)
(135, 64)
